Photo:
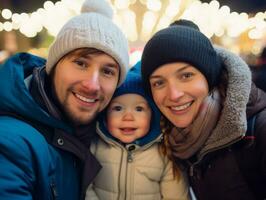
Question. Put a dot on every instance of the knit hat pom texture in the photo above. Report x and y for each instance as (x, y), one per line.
(93, 28)
(98, 6)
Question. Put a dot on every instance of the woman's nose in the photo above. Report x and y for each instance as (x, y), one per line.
(175, 92)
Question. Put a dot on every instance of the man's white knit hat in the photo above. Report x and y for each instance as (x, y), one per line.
(93, 28)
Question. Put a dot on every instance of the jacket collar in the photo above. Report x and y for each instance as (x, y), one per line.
(75, 140)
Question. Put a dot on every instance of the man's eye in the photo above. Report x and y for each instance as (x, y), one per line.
(81, 63)
(139, 108)
(109, 72)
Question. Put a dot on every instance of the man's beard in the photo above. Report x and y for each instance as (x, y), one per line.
(75, 119)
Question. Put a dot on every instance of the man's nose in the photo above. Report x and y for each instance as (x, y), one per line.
(91, 80)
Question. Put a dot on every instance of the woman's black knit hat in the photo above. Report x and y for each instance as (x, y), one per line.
(181, 42)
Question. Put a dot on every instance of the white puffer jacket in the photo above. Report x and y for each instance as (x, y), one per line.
(134, 173)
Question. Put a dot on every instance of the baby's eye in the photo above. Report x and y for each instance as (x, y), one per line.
(139, 108)
(117, 108)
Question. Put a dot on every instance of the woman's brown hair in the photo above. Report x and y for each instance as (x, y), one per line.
(165, 148)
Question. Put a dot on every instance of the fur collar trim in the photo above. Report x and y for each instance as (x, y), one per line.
(232, 124)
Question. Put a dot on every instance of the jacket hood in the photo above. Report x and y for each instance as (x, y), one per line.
(133, 85)
(15, 76)
(232, 123)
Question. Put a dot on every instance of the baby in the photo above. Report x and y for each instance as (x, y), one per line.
(129, 149)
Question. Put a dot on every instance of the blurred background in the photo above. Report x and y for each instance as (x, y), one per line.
(238, 25)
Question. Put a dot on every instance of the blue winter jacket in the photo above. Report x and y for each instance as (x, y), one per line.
(30, 166)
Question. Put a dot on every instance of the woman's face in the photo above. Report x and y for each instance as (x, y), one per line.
(178, 90)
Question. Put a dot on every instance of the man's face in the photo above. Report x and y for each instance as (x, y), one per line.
(84, 85)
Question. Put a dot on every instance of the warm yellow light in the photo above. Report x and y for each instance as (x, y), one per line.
(214, 5)
(154, 5)
(260, 15)
(149, 20)
(172, 8)
(15, 25)
(255, 34)
(144, 2)
(210, 17)
(121, 4)
(16, 18)
(48, 5)
(132, 1)
(225, 11)
(219, 32)
(7, 26)
(6, 14)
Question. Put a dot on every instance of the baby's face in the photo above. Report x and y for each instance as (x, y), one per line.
(128, 117)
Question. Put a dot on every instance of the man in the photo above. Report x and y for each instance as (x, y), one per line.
(47, 113)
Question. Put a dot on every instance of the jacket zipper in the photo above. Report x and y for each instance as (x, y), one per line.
(129, 151)
(54, 191)
(129, 161)
(130, 154)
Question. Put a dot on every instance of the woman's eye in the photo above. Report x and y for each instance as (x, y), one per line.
(156, 83)
(187, 75)
(139, 108)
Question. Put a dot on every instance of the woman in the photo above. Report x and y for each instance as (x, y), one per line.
(259, 71)
(206, 96)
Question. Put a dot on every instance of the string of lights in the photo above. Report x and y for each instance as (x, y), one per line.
(139, 19)
(211, 18)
